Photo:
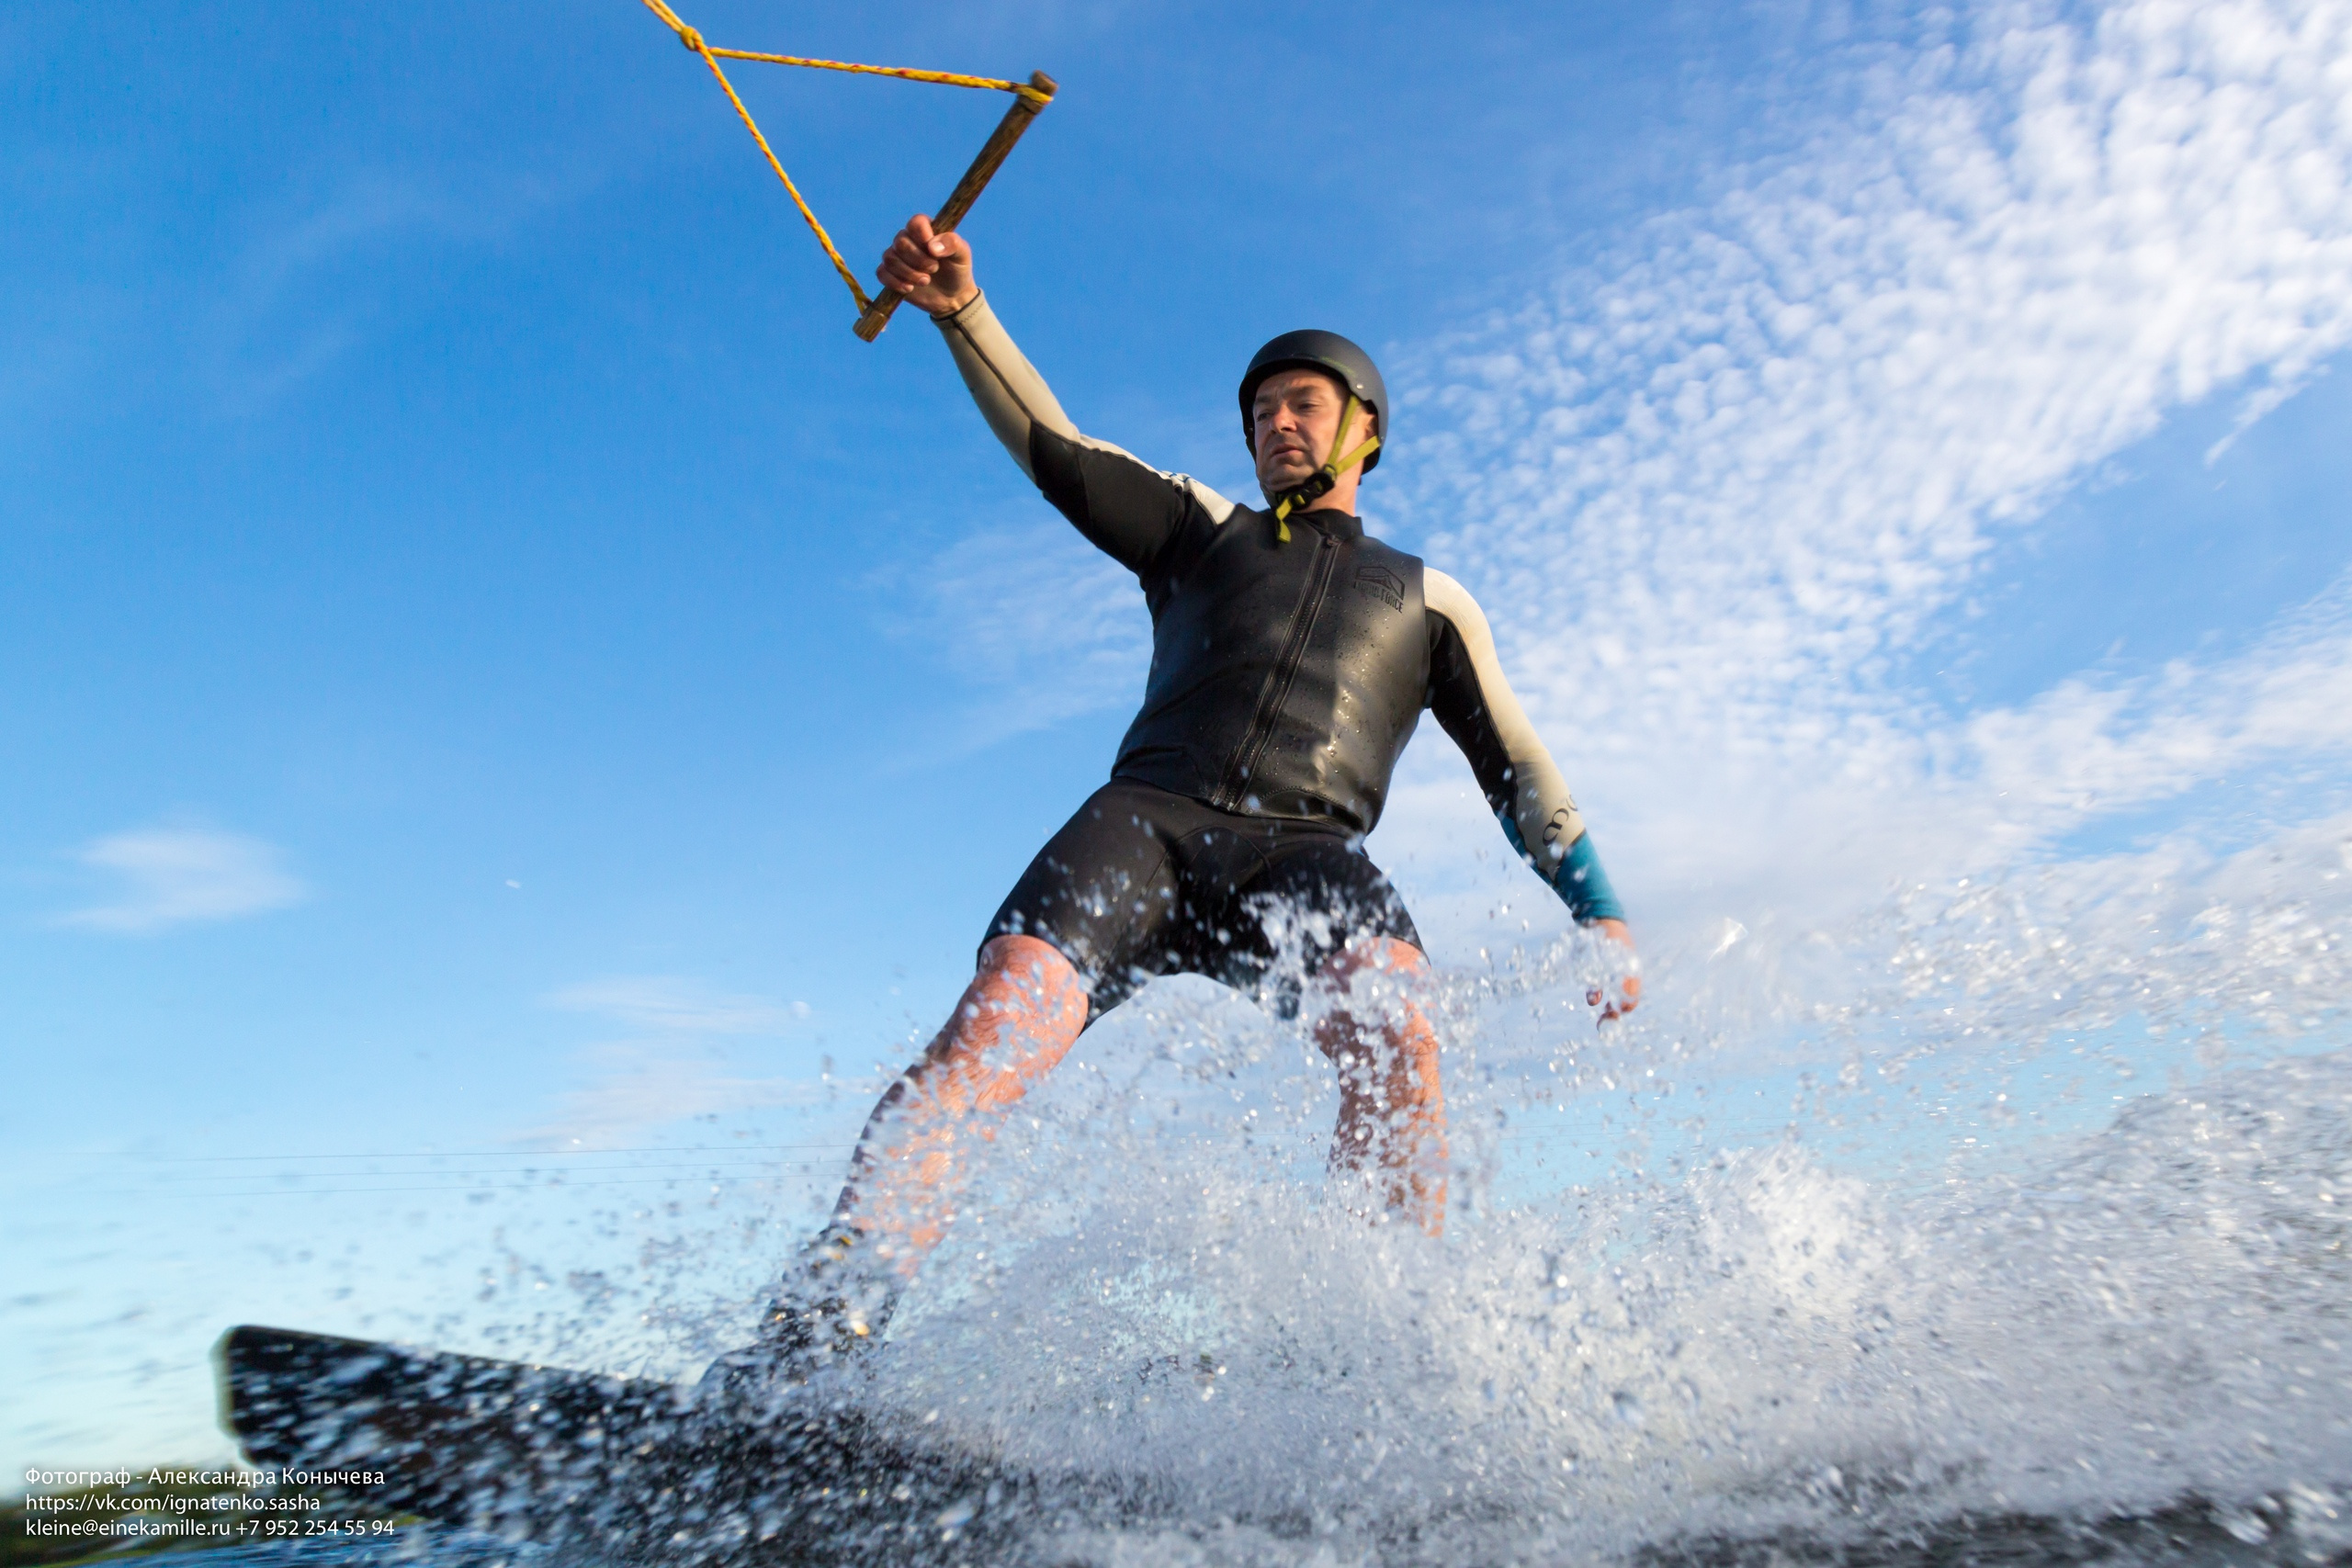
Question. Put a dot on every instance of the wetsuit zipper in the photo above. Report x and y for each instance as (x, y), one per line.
(1234, 787)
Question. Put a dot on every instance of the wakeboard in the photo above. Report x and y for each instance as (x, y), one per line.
(618, 1464)
(632, 1469)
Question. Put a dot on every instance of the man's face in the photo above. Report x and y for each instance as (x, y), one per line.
(1296, 415)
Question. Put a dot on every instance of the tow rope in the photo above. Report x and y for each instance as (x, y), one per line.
(1029, 99)
(1319, 484)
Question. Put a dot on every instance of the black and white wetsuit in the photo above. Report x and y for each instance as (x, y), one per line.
(1285, 679)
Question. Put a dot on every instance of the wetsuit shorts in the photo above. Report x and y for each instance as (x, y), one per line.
(1142, 882)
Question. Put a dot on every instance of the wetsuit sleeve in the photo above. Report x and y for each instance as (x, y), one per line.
(1131, 511)
(1475, 706)
(1014, 398)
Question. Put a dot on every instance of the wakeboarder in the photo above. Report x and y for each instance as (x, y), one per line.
(1292, 656)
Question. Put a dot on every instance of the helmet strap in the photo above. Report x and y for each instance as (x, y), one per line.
(1319, 484)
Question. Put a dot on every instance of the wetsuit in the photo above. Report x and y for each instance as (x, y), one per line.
(1285, 679)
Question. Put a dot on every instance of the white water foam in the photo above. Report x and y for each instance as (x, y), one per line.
(1951, 1282)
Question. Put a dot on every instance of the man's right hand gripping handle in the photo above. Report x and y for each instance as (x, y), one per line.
(935, 271)
(929, 269)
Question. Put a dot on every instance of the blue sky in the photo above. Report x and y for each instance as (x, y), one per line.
(488, 659)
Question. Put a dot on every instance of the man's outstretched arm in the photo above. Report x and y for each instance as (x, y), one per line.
(1128, 508)
(1476, 706)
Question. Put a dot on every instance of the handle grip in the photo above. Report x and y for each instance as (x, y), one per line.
(959, 201)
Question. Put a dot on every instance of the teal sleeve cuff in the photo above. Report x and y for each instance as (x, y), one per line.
(1584, 887)
(1580, 882)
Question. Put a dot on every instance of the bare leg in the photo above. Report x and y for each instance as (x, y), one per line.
(1392, 1108)
(1018, 1018)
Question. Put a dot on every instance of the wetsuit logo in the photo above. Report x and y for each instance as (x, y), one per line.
(1381, 584)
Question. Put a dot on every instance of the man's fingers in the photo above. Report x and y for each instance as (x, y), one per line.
(950, 246)
(1628, 998)
(906, 266)
(912, 253)
(933, 268)
(1628, 987)
(907, 262)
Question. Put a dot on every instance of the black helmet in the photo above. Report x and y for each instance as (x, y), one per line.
(1312, 350)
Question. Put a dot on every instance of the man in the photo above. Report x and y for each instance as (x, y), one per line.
(1292, 655)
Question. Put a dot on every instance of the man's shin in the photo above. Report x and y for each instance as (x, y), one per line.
(1391, 1129)
(1020, 1015)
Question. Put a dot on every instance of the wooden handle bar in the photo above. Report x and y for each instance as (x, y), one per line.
(968, 190)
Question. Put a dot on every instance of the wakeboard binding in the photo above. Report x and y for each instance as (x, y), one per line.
(829, 1316)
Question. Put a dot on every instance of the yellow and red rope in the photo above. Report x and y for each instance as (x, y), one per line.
(711, 56)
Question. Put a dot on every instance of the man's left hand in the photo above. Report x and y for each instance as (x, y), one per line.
(1628, 991)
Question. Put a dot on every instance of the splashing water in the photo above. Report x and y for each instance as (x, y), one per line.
(1881, 1248)
(1990, 1304)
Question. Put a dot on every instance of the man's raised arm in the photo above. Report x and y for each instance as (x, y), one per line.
(1476, 706)
(1128, 508)
(935, 271)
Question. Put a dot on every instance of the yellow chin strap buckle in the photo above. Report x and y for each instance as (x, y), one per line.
(1318, 483)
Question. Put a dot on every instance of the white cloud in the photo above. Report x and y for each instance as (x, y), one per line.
(670, 1004)
(2086, 747)
(675, 1070)
(1713, 490)
(635, 1086)
(174, 876)
(1047, 625)
(289, 308)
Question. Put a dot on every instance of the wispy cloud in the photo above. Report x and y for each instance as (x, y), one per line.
(2088, 746)
(1714, 491)
(307, 288)
(176, 876)
(673, 1068)
(1035, 617)
(634, 1086)
(671, 1004)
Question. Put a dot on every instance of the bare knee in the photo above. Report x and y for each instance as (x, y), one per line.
(1030, 959)
(1341, 1034)
(1383, 954)
(1031, 977)
(1025, 1007)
